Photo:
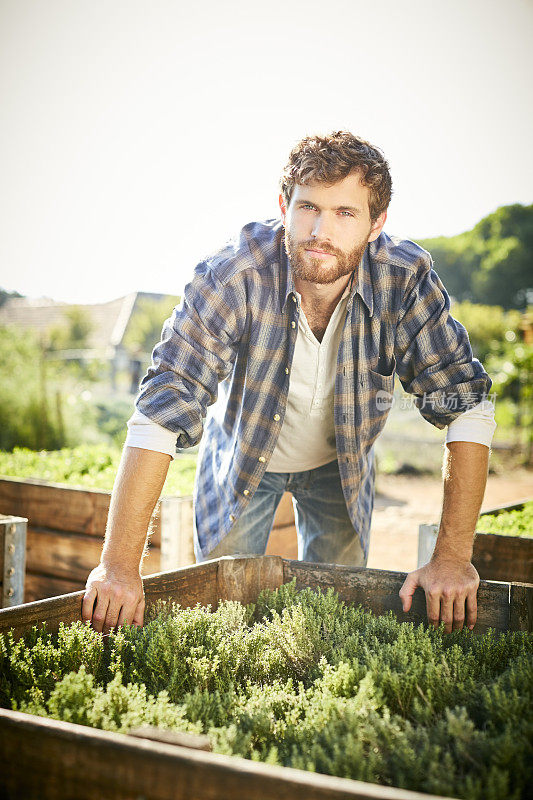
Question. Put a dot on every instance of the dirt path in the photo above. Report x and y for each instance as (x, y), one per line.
(403, 502)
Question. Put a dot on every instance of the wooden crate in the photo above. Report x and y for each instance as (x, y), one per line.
(12, 560)
(496, 557)
(48, 759)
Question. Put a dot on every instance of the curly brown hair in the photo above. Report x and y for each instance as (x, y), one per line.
(328, 159)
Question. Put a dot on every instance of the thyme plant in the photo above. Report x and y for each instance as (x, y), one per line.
(300, 679)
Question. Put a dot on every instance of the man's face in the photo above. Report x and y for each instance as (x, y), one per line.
(327, 228)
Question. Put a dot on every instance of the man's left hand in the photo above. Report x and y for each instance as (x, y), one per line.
(451, 586)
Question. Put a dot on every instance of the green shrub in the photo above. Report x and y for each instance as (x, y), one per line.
(31, 411)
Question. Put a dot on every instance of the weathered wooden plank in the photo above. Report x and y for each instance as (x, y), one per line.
(45, 759)
(72, 556)
(40, 587)
(521, 602)
(196, 584)
(175, 517)
(60, 507)
(242, 578)
(195, 741)
(506, 507)
(503, 558)
(377, 590)
(49, 505)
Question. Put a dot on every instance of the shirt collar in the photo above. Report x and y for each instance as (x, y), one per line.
(363, 285)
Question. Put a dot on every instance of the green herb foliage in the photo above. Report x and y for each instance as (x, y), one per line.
(93, 466)
(518, 522)
(300, 679)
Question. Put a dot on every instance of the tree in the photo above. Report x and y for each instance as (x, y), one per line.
(492, 263)
(73, 333)
(4, 296)
(28, 417)
(144, 329)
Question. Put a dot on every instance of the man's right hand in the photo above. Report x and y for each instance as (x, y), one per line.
(119, 597)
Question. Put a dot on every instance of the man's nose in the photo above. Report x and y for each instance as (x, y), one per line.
(322, 228)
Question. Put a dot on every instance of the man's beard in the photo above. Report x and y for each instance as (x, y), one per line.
(307, 268)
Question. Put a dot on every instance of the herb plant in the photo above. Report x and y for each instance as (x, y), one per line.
(300, 679)
(518, 522)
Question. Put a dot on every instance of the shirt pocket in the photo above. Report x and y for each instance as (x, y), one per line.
(383, 380)
(378, 398)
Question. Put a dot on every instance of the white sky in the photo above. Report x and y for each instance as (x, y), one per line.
(136, 137)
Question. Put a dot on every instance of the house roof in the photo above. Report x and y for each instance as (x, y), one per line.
(109, 320)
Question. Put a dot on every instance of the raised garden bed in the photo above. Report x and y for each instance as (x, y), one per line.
(50, 758)
(66, 527)
(497, 556)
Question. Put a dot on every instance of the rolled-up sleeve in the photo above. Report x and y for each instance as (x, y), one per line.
(434, 359)
(475, 425)
(197, 349)
(148, 435)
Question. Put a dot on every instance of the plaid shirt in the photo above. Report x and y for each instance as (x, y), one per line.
(221, 372)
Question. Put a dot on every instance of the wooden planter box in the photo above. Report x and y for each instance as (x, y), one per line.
(496, 557)
(66, 527)
(50, 760)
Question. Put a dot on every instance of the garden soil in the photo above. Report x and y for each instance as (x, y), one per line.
(404, 502)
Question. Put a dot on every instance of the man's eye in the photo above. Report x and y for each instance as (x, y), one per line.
(306, 206)
(346, 214)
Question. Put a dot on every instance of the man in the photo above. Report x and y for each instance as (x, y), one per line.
(281, 359)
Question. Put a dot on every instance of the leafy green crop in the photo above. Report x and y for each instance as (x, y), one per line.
(518, 522)
(300, 679)
(93, 466)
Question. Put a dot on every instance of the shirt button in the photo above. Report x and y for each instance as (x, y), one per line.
(277, 417)
(232, 517)
(262, 459)
(293, 299)
(286, 370)
(246, 492)
(293, 324)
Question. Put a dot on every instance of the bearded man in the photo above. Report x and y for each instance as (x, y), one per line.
(281, 360)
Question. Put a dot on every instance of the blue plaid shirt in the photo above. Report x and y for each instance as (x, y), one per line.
(221, 372)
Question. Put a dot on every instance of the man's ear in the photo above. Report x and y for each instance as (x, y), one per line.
(283, 209)
(377, 227)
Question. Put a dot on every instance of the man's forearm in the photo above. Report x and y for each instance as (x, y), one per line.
(465, 471)
(137, 488)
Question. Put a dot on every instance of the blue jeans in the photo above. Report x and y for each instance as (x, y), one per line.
(325, 531)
